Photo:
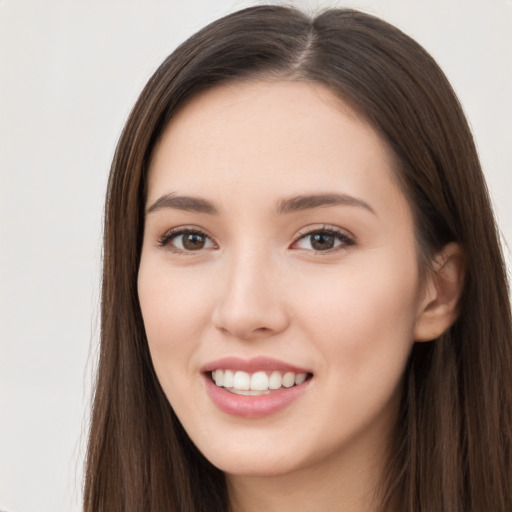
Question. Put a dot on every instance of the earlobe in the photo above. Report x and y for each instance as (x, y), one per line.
(443, 288)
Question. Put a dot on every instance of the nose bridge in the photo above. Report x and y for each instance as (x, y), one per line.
(251, 301)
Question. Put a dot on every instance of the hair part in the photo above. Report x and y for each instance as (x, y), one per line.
(453, 441)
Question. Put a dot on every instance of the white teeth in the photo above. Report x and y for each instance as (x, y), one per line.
(257, 383)
(242, 381)
(299, 378)
(229, 378)
(251, 392)
(288, 379)
(275, 380)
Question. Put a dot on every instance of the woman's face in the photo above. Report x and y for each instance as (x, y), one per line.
(279, 256)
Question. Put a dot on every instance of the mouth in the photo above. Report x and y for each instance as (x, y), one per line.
(257, 383)
(254, 388)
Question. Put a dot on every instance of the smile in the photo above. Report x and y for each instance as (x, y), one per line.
(258, 383)
(254, 388)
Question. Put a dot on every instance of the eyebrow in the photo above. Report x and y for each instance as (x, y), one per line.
(307, 202)
(185, 203)
(293, 204)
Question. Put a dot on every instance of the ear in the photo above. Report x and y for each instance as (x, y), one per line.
(439, 306)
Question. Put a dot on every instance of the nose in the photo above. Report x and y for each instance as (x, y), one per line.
(251, 303)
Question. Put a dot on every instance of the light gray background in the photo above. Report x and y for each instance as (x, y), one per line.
(70, 72)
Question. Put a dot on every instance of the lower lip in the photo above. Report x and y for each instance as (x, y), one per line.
(260, 406)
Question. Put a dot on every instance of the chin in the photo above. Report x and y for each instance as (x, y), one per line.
(260, 457)
(254, 466)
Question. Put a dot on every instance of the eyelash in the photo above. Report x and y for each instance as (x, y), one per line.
(345, 240)
(172, 234)
(341, 236)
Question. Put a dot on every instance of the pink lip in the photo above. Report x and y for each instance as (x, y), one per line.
(252, 406)
(252, 365)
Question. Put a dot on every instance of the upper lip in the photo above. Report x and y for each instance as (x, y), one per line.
(255, 364)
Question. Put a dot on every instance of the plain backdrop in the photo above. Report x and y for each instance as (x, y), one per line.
(69, 73)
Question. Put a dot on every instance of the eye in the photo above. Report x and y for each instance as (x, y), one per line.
(323, 240)
(186, 240)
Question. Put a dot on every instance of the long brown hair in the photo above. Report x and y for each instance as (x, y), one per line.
(452, 446)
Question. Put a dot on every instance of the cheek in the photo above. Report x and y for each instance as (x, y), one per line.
(363, 316)
(173, 312)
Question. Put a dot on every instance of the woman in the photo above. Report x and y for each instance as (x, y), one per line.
(304, 299)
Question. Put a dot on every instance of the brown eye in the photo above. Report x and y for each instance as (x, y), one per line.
(187, 241)
(193, 241)
(323, 241)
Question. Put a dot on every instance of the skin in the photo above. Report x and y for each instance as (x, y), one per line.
(257, 288)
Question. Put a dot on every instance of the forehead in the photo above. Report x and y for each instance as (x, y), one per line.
(270, 137)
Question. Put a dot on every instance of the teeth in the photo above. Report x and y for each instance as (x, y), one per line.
(257, 383)
(229, 378)
(275, 380)
(250, 392)
(299, 378)
(288, 379)
(241, 381)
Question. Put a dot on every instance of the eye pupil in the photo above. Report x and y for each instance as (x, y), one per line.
(322, 241)
(193, 241)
